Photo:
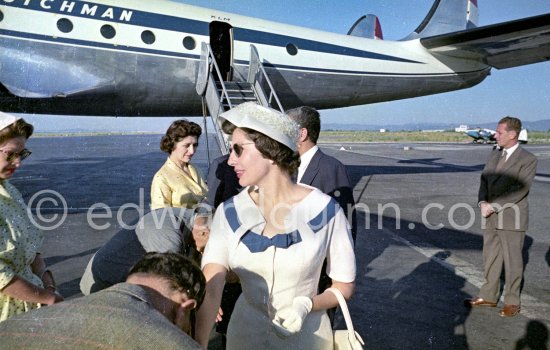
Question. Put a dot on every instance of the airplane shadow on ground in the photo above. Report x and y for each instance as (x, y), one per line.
(401, 306)
(425, 166)
(405, 300)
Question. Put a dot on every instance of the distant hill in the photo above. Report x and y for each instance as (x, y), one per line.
(539, 125)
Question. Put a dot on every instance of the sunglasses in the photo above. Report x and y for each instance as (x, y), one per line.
(238, 149)
(11, 156)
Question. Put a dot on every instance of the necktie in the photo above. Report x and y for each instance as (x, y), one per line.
(502, 160)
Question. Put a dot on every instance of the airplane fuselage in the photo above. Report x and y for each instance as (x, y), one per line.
(140, 58)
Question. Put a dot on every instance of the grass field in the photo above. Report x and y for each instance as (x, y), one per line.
(412, 136)
(537, 137)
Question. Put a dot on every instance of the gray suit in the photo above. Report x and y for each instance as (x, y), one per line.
(507, 189)
(120, 317)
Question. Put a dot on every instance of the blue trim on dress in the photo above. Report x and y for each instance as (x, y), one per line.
(231, 214)
(324, 217)
(257, 243)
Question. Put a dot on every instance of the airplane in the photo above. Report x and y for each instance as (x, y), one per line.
(483, 135)
(149, 58)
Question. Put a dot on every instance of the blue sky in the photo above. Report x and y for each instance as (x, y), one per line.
(523, 91)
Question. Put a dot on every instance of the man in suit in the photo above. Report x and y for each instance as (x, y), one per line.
(324, 172)
(152, 309)
(222, 181)
(504, 187)
(320, 170)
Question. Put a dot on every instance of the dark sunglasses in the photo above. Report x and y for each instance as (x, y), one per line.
(238, 149)
(11, 156)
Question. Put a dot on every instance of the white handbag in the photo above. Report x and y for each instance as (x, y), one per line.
(346, 339)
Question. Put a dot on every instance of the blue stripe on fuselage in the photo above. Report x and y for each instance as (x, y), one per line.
(171, 54)
(93, 44)
(185, 25)
(265, 38)
(138, 18)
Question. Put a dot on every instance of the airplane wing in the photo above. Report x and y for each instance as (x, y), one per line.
(502, 45)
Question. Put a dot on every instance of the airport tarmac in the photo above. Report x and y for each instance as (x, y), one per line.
(418, 249)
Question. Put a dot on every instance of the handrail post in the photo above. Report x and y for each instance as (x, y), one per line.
(256, 70)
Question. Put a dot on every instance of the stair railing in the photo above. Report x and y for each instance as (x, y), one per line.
(258, 77)
(206, 86)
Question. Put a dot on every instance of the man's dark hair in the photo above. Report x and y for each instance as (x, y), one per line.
(285, 158)
(512, 123)
(308, 118)
(176, 132)
(183, 274)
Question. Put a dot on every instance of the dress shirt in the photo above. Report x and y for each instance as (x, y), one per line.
(305, 159)
(511, 150)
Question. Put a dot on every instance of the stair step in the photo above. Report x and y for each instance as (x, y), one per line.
(237, 90)
(238, 87)
(250, 96)
(240, 97)
(233, 92)
(247, 98)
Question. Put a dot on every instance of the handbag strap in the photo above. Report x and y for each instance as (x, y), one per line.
(344, 308)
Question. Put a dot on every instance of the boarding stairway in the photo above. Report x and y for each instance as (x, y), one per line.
(220, 95)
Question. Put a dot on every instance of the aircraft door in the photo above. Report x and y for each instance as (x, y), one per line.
(221, 42)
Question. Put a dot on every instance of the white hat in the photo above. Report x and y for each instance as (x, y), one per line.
(268, 121)
(7, 120)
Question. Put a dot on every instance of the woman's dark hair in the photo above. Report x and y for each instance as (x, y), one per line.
(18, 129)
(177, 131)
(284, 157)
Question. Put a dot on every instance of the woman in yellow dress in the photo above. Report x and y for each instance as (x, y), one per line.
(25, 283)
(178, 183)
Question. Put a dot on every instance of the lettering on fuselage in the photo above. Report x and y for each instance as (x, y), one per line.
(219, 18)
(80, 8)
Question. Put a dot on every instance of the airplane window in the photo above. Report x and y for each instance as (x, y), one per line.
(148, 37)
(1, 16)
(108, 31)
(64, 25)
(292, 49)
(189, 43)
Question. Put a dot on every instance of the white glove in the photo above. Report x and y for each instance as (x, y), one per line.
(289, 320)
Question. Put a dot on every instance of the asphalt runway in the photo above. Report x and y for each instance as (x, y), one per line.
(418, 249)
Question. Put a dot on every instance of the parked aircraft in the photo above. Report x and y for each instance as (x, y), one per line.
(480, 135)
(144, 58)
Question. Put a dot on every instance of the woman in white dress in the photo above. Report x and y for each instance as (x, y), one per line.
(275, 236)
